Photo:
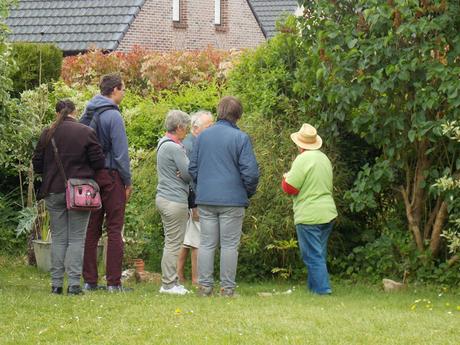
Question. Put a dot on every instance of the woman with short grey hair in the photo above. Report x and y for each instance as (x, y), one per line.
(172, 196)
(176, 119)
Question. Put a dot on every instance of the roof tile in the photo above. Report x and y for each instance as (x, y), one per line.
(269, 11)
(74, 25)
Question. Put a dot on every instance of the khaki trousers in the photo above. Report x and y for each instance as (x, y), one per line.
(174, 216)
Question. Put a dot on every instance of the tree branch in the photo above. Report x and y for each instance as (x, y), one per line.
(428, 225)
(413, 226)
(453, 260)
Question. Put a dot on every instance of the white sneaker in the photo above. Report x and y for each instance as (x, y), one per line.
(175, 290)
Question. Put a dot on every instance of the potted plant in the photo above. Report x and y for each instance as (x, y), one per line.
(36, 219)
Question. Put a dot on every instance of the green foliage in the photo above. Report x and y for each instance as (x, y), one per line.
(6, 64)
(34, 218)
(36, 63)
(264, 79)
(145, 121)
(142, 220)
(80, 97)
(396, 100)
(145, 125)
(9, 243)
(276, 83)
(20, 126)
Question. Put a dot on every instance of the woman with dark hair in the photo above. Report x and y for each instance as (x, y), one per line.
(81, 155)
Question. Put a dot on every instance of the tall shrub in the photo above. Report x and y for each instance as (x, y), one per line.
(277, 84)
(144, 71)
(389, 71)
(36, 63)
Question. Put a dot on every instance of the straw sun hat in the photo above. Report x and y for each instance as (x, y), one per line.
(307, 138)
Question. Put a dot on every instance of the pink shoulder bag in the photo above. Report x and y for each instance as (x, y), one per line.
(80, 194)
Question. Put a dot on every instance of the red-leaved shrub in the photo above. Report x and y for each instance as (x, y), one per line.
(143, 71)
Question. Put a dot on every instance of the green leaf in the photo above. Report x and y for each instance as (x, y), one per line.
(411, 135)
(351, 43)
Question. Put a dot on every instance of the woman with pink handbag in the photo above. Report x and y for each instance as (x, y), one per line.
(67, 156)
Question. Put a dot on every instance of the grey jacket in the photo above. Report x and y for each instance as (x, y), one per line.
(113, 135)
(171, 160)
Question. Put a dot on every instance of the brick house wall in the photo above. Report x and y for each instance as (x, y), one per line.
(154, 28)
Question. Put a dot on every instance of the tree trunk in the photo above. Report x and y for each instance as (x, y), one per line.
(413, 225)
(414, 194)
(437, 229)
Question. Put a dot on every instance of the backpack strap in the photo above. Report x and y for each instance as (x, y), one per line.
(96, 119)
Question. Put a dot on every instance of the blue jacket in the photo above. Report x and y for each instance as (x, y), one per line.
(113, 135)
(223, 166)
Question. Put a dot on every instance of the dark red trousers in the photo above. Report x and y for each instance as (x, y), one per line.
(113, 208)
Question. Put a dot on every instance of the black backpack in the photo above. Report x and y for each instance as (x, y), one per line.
(92, 118)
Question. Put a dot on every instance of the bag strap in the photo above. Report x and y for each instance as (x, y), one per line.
(161, 144)
(59, 162)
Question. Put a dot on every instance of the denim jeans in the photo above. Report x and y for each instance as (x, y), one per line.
(219, 224)
(313, 248)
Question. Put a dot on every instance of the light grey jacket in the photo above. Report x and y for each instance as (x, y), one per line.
(171, 160)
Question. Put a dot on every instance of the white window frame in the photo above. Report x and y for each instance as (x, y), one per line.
(217, 12)
(176, 11)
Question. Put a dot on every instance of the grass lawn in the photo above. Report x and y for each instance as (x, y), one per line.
(354, 314)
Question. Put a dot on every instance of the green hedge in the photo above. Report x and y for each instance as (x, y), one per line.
(28, 57)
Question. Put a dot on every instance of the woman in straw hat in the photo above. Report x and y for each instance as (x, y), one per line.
(310, 182)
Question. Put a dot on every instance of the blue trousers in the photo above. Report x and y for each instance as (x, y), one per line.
(313, 248)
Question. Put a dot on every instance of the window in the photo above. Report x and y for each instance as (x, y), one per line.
(179, 14)
(217, 12)
(221, 15)
(176, 10)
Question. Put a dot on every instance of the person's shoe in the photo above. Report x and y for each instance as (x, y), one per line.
(204, 291)
(228, 292)
(56, 290)
(74, 290)
(89, 287)
(175, 290)
(118, 288)
(93, 287)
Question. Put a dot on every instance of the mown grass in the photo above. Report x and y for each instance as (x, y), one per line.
(354, 314)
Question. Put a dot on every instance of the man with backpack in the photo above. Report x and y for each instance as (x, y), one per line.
(103, 115)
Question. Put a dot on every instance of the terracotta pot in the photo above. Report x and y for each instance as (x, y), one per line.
(139, 265)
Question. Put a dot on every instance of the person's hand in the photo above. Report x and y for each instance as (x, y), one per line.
(284, 175)
(178, 174)
(128, 192)
(195, 214)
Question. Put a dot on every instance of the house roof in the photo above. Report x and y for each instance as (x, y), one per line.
(267, 12)
(74, 25)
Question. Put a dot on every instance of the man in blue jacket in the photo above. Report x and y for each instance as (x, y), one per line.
(224, 168)
(103, 115)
